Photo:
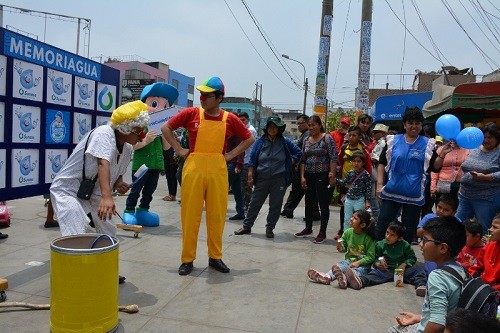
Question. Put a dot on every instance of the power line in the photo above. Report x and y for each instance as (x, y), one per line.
(404, 48)
(248, 38)
(265, 39)
(342, 45)
(479, 27)
(485, 13)
(428, 33)
(415, 38)
(483, 54)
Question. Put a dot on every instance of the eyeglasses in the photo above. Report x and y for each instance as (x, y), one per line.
(426, 240)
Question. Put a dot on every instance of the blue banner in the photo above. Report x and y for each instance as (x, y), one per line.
(33, 51)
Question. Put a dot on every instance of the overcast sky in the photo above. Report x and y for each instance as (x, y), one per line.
(202, 38)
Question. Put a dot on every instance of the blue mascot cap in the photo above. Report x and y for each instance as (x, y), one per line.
(160, 89)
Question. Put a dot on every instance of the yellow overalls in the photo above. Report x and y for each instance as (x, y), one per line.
(204, 178)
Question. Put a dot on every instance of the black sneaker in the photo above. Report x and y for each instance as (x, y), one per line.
(218, 264)
(269, 233)
(237, 217)
(185, 268)
(121, 279)
(287, 214)
(3, 236)
(51, 224)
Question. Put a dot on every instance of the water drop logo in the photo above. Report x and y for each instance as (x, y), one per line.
(26, 76)
(25, 122)
(58, 84)
(25, 165)
(82, 125)
(102, 94)
(56, 162)
(83, 90)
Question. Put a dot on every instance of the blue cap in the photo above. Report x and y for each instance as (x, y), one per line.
(160, 89)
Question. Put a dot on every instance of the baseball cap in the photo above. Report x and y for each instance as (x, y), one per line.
(439, 139)
(381, 128)
(345, 120)
(211, 84)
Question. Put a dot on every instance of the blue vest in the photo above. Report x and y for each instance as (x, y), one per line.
(406, 167)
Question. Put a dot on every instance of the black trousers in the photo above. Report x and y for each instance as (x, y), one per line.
(296, 194)
(318, 192)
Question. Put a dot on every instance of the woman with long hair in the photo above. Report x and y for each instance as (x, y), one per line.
(317, 173)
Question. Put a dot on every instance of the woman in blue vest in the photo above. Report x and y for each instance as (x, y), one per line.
(407, 159)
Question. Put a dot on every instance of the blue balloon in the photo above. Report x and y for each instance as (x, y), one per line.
(448, 126)
(470, 138)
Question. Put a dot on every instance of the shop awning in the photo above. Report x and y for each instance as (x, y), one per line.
(470, 102)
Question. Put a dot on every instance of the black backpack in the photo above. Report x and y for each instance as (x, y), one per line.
(476, 295)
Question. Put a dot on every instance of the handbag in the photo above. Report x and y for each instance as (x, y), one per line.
(86, 185)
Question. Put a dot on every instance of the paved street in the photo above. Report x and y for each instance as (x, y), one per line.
(267, 289)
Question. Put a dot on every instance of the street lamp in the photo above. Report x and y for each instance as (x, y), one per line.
(305, 81)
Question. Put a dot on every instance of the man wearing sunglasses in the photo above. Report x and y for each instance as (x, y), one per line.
(204, 175)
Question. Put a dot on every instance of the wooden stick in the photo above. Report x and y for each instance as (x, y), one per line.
(132, 308)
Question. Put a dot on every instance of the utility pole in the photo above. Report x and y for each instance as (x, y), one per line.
(257, 115)
(320, 101)
(306, 86)
(363, 90)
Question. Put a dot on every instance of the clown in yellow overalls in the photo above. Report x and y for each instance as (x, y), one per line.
(204, 175)
(204, 178)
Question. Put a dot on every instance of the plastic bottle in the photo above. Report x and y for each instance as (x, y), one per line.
(498, 312)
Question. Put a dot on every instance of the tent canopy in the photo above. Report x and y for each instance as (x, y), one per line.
(470, 102)
(391, 107)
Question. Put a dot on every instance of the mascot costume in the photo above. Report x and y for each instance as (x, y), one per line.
(157, 96)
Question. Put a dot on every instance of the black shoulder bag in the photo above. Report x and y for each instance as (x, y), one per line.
(87, 185)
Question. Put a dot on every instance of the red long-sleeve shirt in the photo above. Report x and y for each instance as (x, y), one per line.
(488, 265)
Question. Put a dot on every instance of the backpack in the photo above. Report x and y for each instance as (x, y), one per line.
(476, 295)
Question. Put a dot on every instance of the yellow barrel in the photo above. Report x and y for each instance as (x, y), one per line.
(84, 284)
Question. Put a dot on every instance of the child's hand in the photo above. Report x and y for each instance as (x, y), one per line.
(355, 264)
(408, 318)
(339, 246)
(381, 265)
(485, 239)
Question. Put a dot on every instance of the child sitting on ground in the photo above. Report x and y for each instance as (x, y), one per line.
(446, 205)
(488, 261)
(442, 240)
(359, 245)
(392, 252)
(473, 243)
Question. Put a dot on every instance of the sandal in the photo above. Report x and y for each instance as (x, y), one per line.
(169, 198)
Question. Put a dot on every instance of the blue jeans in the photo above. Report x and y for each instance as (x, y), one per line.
(389, 211)
(344, 264)
(147, 184)
(235, 183)
(350, 206)
(483, 209)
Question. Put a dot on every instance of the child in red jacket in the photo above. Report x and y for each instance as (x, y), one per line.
(473, 243)
(488, 261)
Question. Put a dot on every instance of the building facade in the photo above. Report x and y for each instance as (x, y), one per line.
(135, 75)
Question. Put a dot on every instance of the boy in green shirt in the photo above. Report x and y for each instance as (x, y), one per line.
(392, 252)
